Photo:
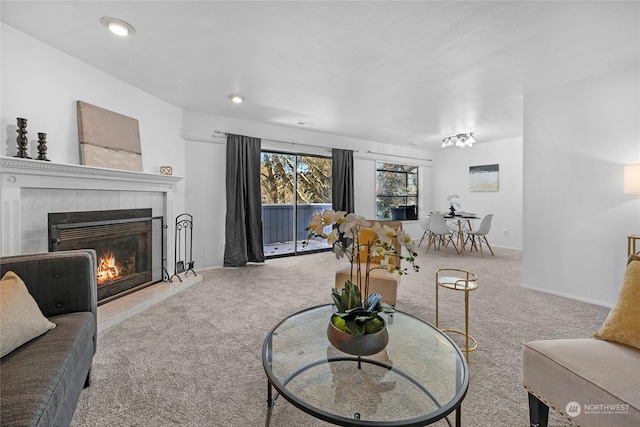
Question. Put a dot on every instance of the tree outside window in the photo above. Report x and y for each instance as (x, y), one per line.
(313, 181)
(396, 185)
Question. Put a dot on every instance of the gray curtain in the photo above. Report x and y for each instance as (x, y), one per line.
(243, 223)
(342, 180)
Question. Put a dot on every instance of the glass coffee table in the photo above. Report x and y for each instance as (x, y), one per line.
(420, 377)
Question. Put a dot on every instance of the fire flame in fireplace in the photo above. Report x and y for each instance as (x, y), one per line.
(108, 268)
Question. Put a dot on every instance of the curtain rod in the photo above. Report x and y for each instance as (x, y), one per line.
(397, 155)
(220, 134)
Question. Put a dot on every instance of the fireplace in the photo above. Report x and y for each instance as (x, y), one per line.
(128, 244)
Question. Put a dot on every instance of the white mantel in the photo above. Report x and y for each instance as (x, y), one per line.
(32, 188)
(36, 171)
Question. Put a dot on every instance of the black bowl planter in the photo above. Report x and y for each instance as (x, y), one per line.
(364, 345)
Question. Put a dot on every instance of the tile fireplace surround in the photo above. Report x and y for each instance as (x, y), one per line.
(31, 189)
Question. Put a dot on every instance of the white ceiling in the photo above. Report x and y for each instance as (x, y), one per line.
(389, 71)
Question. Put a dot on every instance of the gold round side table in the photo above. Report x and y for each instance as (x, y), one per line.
(458, 280)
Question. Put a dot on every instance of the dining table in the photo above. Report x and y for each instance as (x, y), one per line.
(464, 223)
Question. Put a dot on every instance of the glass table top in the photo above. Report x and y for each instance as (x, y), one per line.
(420, 377)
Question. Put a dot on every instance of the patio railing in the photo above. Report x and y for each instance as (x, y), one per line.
(277, 221)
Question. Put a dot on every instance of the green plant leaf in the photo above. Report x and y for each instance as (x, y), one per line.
(336, 295)
(385, 308)
(355, 328)
(346, 300)
(363, 318)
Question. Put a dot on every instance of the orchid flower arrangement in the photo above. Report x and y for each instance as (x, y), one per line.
(451, 201)
(346, 239)
(453, 204)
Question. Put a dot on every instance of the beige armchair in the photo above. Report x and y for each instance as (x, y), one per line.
(380, 280)
(592, 382)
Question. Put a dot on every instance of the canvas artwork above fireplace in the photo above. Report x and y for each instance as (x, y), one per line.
(127, 243)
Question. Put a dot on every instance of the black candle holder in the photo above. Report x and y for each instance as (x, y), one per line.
(22, 139)
(42, 147)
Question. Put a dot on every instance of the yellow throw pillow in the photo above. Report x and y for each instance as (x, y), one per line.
(20, 317)
(622, 325)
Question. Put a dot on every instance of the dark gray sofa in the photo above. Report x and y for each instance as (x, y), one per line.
(41, 381)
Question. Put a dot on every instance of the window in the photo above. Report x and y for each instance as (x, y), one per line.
(396, 186)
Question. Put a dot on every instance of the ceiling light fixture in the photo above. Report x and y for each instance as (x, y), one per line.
(118, 26)
(459, 140)
(236, 98)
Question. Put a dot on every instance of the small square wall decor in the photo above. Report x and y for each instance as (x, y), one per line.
(483, 178)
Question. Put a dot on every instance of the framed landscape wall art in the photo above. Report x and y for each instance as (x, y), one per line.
(483, 178)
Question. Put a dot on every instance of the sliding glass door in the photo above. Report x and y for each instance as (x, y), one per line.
(294, 187)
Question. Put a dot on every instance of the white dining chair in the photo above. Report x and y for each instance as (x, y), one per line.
(439, 230)
(424, 223)
(481, 233)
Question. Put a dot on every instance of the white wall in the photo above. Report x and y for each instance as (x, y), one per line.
(450, 172)
(206, 171)
(577, 138)
(206, 201)
(42, 84)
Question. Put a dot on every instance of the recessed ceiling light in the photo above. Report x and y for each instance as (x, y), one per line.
(118, 26)
(236, 98)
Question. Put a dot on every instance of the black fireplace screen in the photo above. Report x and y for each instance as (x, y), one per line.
(129, 244)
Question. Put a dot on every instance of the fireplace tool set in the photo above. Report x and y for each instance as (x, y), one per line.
(183, 249)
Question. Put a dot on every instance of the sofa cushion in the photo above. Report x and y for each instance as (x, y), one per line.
(600, 376)
(42, 380)
(622, 325)
(20, 317)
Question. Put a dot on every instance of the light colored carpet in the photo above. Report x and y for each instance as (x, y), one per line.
(195, 358)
